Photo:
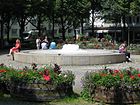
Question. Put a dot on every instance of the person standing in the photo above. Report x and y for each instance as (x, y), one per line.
(46, 41)
(38, 43)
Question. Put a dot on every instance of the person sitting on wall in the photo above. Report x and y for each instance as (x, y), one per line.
(44, 45)
(123, 49)
(52, 45)
(15, 49)
(46, 39)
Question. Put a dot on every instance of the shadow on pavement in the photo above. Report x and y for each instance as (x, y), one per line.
(5, 51)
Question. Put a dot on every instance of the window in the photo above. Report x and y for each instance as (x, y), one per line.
(14, 32)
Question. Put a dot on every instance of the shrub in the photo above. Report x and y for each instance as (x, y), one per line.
(50, 74)
(134, 48)
(128, 78)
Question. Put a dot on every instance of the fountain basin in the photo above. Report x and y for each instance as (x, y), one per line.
(79, 57)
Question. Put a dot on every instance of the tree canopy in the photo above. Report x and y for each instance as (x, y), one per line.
(65, 13)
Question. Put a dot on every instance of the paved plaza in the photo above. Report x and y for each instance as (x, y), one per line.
(79, 71)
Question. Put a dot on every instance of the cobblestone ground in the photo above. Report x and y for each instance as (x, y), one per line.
(79, 71)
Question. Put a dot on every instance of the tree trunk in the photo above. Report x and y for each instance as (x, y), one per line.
(63, 34)
(124, 33)
(21, 30)
(74, 34)
(63, 29)
(21, 23)
(92, 8)
(82, 28)
(39, 25)
(8, 29)
(1, 33)
(92, 22)
(53, 27)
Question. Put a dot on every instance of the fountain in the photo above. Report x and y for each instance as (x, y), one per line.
(70, 54)
(70, 47)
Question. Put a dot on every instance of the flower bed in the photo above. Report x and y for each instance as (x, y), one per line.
(113, 86)
(36, 84)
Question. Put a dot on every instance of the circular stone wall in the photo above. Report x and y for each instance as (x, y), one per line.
(61, 57)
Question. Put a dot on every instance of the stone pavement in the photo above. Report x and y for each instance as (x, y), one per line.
(79, 71)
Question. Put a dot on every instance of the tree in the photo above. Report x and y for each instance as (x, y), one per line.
(5, 16)
(10, 16)
(38, 12)
(95, 7)
(63, 15)
(81, 13)
(119, 10)
(21, 13)
(70, 13)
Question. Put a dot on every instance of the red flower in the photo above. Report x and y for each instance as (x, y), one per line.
(132, 77)
(2, 71)
(121, 76)
(138, 75)
(116, 71)
(47, 78)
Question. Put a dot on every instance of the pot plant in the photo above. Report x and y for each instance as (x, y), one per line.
(38, 84)
(113, 86)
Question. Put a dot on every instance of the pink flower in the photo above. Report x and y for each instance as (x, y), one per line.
(138, 69)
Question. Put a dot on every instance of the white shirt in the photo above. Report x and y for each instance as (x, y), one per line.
(44, 46)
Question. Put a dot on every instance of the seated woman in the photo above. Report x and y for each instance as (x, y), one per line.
(44, 45)
(123, 49)
(17, 47)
